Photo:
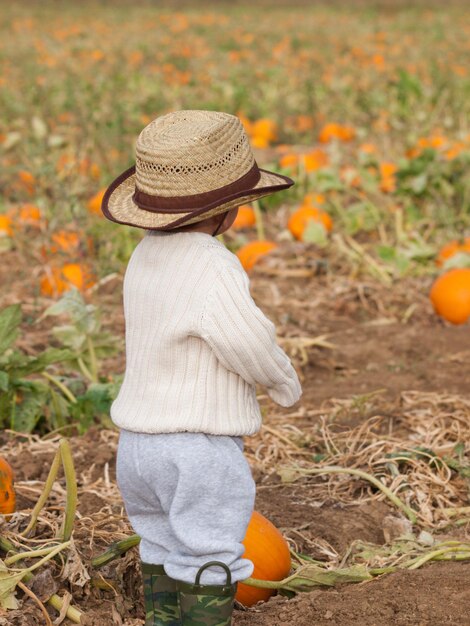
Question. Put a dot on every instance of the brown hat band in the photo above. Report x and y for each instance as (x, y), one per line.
(181, 204)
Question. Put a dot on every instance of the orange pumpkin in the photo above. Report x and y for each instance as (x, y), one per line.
(269, 552)
(7, 491)
(450, 295)
(94, 203)
(289, 160)
(298, 221)
(336, 131)
(65, 240)
(30, 215)
(5, 226)
(26, 181)
(57, 280)
(452, 248)
(245, 217)
(78, 275)
(250, 254)
(52, 283)
(263, 132)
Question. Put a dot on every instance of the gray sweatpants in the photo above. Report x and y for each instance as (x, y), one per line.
(190, 497)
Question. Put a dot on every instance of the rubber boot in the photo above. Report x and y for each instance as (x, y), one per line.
(160, 597)
(207, 605)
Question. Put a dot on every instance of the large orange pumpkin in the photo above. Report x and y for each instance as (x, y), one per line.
(269, 552)
(7, 491)
(450, 295)
(253, 251)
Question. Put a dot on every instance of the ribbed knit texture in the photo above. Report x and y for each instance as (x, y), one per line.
(196, 343)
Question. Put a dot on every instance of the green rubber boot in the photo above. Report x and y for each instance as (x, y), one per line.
(207, 605)
(160, 597)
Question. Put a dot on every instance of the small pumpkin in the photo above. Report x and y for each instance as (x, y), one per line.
(64, 240)
(450, 295)
(245, 217)
(94, 203)
(30, 215)
(6, 229)
(451, 249)
(269, 552)
(57, 280)
(298, 221)
(7, 491)
(78, 275)
(52, 283)
(250, 254)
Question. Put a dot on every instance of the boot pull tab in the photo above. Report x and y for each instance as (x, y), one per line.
(228, 582)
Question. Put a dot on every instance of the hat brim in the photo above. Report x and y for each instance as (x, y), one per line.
(118, 204)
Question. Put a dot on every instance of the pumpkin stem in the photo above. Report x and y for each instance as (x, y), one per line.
(85, 371)
(67, 393)
(44, 495)
(50, 554)
(263, 584)
(115, 550)
(31, 554)
(93, 360)
(71, 488)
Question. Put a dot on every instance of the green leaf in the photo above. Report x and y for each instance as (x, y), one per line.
(85, 317)
(419, 250)
(419, 183)
(22, 365)
(460, 259)
(30, 409)
(8, 582)
(311, 576)
(69, 337)
(387, 253)
(402, 263)
(10, 319)
(102, 395)
(315, 232)
(52, 355)
(362, 216)
(94, 403)
(6, 403)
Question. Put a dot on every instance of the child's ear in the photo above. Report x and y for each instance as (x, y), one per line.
(230, 218)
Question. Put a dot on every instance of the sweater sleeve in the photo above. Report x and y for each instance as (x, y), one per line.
(244, 339)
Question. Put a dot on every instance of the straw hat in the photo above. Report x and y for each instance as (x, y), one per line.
(190, 165)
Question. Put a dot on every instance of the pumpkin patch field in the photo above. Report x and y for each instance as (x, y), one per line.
(362, 513)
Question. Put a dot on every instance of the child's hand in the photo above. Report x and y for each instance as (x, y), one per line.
(286, 394)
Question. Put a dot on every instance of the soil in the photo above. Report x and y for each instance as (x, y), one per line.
(434, 596)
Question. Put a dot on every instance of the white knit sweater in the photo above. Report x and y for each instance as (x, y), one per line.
(196, 343)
